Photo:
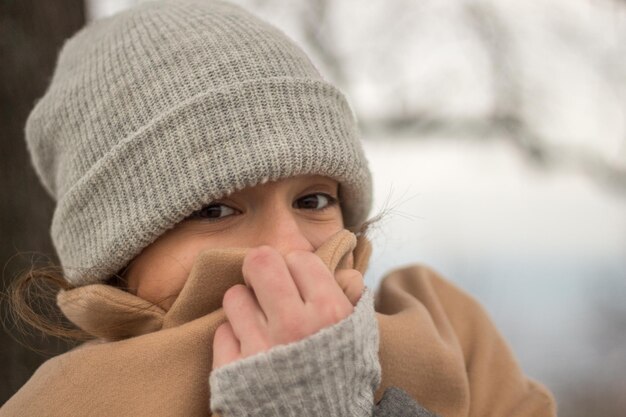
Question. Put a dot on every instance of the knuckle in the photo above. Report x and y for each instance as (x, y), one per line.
(255, 343)
(258, 257)
(333, 312)
(350, 274)
(261, 254)
(349, 278)
(304, 260)
(291, 328)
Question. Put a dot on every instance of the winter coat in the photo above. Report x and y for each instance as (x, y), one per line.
(437, 348)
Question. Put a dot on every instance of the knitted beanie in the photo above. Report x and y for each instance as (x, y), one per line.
(156, 111)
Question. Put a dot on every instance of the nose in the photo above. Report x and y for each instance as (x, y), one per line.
(282, 231)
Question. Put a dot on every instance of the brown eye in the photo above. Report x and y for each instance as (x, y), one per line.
(213, 212)
(318, 201)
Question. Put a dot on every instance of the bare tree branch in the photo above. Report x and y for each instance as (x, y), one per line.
(313, 17)
(543, 154)
(507, 120)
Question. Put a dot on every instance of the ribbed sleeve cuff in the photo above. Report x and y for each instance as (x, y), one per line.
(397, 403)
(333, 372)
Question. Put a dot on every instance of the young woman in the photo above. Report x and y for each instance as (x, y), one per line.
(212, 201)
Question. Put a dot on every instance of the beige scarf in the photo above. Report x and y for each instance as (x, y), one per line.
(437, 344)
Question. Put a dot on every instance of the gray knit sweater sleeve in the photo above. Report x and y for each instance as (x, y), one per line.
(397, 403)
(333, 372)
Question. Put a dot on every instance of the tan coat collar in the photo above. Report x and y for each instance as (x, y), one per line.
(110, 313)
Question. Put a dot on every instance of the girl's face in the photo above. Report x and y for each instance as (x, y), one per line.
(296, 213)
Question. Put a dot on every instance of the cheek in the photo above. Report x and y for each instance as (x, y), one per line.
(317, 234)
(161, 287)
(158, 276)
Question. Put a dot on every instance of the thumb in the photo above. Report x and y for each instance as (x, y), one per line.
(351, 282)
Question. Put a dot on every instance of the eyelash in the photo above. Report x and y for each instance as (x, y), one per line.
(332, 201)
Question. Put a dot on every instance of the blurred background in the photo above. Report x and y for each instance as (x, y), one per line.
(496, 133)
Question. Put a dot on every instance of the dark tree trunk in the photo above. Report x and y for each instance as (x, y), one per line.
(31, 34)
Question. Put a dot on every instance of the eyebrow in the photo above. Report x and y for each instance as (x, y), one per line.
(333, 187)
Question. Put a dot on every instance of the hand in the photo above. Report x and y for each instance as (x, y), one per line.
(285, 300)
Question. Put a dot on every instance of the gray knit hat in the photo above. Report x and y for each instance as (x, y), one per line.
(156, 111)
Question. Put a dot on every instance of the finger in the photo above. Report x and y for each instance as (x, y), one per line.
(265, 272)
(246, 319)
(347, 261)
(312, 277)
(325, 302)
(351, 283)
(226, 348)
